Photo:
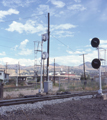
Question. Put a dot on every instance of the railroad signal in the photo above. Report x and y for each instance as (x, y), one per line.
(44, 55)
(95, 42)
(44, 37)
(96, 63)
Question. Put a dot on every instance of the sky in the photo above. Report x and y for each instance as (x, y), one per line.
(73, 24)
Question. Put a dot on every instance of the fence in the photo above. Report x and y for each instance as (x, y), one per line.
(78, 85)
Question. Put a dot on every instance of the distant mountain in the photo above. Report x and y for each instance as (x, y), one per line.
(14, 66)
(87, 64)
(55, 64)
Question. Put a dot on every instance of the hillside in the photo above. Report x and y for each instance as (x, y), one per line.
(29, 70)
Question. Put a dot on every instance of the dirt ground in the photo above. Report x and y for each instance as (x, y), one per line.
(22, 92)
(84, 109)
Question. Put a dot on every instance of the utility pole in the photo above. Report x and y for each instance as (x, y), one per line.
(6, 67)
(19, 68)
(54, 71)
(84, 65)
(43, 73)
(17, 75)
(105, 59)
(68, 73)
(48, 46)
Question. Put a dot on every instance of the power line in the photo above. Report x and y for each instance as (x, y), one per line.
(21, 18)
(10, 40)
(62, 43)
(13, 48)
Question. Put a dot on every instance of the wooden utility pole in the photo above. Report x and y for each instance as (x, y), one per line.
(6, 67)
(19, 68)
(68, 73)
(48, 46)
(84, 66)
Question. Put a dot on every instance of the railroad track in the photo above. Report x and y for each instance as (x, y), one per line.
(42, 98)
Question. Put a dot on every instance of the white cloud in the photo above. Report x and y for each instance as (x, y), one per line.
(2, 54)
(25, 52)
(23, 44)
(70, 52)
(15, 47)
(104, 46)
(22, 49)
(61, 12)
(71, 60)
(9, 12)
(78, 1)
(88, 50)
(17, 3)
(77, 7)
(62, 30)
(77, 52)
(63, 26)
(24, 62)
(74, 59)
(88, 46)
(63, 33)
(29, 27)
(103, 41)
(43, 8)
(57, 3)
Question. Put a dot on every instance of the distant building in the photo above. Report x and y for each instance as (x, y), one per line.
(103, 77)
(4, 76)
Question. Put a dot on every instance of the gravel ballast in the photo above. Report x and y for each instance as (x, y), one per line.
(61, 109)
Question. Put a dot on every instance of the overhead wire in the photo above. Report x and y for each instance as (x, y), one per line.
(16, 20)
(62, 43)
(9, 40)
(21, 18)
(13, 47)
(32, 17)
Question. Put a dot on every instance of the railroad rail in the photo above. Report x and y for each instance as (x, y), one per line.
(42, 98)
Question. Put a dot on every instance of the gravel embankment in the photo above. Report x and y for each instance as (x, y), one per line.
(63, 109)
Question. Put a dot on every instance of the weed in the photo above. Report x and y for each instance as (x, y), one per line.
(8, 97)
(21, 95)
(56, 84)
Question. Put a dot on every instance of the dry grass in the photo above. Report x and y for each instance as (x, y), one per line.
(10, 85)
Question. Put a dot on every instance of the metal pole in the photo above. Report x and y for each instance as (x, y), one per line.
(17, 75)
(59, 83)
(43, 73)
(105, 61)
(48, 46)
(6, 67)
(54, 71)
(68, 73)
(100, 90)
(84, 67)
(41, 85)
(19, 68)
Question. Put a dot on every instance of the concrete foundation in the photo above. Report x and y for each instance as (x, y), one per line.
(104, 97)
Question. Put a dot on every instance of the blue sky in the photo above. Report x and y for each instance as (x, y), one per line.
(73, 23)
